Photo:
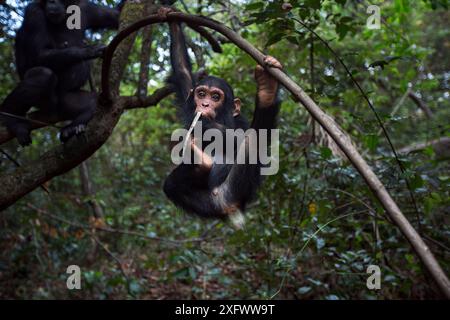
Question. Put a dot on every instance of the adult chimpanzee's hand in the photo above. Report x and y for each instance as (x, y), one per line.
(266, 84)
(94, 51)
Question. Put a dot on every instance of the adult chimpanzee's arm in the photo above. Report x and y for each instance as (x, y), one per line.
(102, 17)
(60, 58)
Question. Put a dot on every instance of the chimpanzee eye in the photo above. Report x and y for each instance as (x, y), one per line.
(216, 97)
(201, 93)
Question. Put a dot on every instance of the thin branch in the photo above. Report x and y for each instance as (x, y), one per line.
(31, 121)
(7, 6)
(118, 261)
(421, 104)
(395, 109)
(377, 117)
(152, 100)
(88, 190)
(440, 144)
(438, 243)
(215, 45)
(39, 119)
(198, 52)
(112, 230)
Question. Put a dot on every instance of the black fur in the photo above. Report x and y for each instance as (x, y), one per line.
(53, 63)
(225, 188)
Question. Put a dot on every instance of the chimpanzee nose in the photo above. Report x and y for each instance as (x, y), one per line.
(205, 104)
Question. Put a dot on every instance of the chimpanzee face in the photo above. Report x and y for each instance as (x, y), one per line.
(213, 97)
(55, 10)
(208, 100)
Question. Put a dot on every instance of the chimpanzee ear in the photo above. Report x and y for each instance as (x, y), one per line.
(237, 107)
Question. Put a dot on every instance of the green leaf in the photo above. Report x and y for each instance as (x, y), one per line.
(416, 182)
(325, 153)
(371, 141)
(254, 6)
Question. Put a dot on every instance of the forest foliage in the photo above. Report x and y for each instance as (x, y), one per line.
(315, 227)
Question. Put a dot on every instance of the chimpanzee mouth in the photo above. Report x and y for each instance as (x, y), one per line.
(203, 109)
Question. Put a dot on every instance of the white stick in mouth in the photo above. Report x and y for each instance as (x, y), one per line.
(194, 122)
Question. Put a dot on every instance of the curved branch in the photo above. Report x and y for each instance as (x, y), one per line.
(377, 117)
(151, 100)
(421, 104)
(319, 115)
(215, 45)
(60, 159)
(441, 147)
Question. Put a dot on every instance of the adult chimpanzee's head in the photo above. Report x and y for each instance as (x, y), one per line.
(55, 10)
(214, 98)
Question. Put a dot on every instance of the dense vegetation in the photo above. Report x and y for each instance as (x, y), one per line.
(315, 227)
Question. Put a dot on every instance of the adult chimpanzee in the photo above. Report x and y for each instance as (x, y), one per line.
(53, 63)
(210, 189)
